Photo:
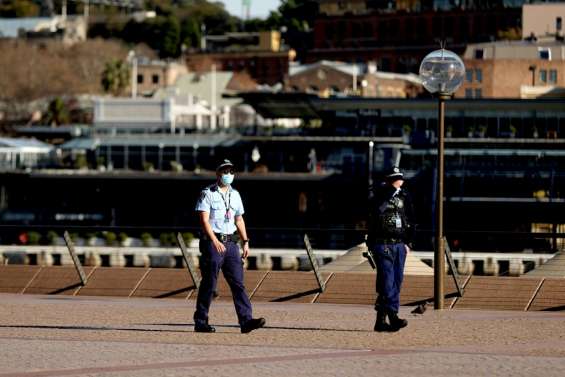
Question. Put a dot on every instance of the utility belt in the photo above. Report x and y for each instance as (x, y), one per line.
(223, 238)
(388, 241)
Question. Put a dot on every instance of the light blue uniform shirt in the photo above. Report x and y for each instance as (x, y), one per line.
(215, 203)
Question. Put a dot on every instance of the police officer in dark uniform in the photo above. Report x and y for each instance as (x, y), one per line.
(221, 214)
(391, 229)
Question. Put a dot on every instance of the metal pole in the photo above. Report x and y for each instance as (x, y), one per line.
(134, 77)
(439, 259)
(371, 162)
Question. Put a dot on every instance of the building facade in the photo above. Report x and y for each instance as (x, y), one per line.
(512, 69)
(327, 78)
(155, 74)
(261, 55)
(543, 20)
(398, 41)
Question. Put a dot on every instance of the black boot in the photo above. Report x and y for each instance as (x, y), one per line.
(252, 324)
(204, 327)
(395, 322)
(380, 324)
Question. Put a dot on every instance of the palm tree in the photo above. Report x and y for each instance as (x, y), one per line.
(116, 77)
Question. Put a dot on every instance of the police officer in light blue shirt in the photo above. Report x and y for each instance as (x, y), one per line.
(220, 210)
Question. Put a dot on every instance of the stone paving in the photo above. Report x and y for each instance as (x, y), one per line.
(110, 337)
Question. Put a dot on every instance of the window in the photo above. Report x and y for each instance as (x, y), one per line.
(155, 79)
(553, 76)
(140, 79)
(543, 75)
(478, 93)
(479, 53)
(468, 93)
(544, 53)
(479, 75)
(558, 23)
(469, 75)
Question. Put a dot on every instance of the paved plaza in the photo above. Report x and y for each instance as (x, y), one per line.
(94, 336)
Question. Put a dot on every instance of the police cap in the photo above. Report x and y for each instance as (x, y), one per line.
(225, 164)
(394, 173)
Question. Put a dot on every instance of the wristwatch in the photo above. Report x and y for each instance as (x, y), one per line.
(245, 241)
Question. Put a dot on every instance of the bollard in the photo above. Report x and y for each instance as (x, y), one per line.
(288, 262)
(141, 259)
(264, 262)
(162, 260)
(515, 267)
(44, 258)
(466, 266)
(117, 259)
(92, 259)
(491, 267)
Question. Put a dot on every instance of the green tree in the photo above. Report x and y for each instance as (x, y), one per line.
(57, 112)
(298, 15)
(170, 38)
(116, 77)
(190, 33)
(18, 8)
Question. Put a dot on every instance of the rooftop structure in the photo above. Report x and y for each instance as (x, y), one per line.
(70, 28)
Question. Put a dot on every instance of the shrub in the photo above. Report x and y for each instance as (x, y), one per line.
(187, 237)
(52, 237)
(146, 239)
(110, 238)
(33, 238)
(167, 239)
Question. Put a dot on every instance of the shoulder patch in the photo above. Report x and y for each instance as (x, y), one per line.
(203, 194)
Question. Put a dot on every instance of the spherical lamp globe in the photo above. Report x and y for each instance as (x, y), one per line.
(442, 72)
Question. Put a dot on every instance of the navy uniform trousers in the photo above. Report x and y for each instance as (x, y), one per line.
(390, 261)
(232, 266)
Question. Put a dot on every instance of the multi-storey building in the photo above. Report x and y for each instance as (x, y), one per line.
(398, 41)
(514, 69)
(259, 54)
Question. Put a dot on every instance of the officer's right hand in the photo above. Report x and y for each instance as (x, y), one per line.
(220, 248)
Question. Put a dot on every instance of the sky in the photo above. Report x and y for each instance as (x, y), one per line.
(259, 8)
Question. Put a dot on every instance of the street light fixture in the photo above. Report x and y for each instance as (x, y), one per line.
(442, 72)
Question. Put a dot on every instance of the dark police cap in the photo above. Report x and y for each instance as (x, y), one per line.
(394, 173)
(224, 164)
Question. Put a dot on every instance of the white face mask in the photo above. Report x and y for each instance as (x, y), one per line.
(227, 179)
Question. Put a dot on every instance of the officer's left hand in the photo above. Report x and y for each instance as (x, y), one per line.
(245, 250)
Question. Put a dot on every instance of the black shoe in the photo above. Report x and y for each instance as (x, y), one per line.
(204, 328)
(380, 324)
(395, 322)
(252, 324)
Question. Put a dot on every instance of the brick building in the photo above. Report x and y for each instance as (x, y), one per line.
(514, 69)
(327, 78)
(398, 40)
(155, 74)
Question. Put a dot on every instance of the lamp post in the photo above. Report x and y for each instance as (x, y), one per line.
(442, 73)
